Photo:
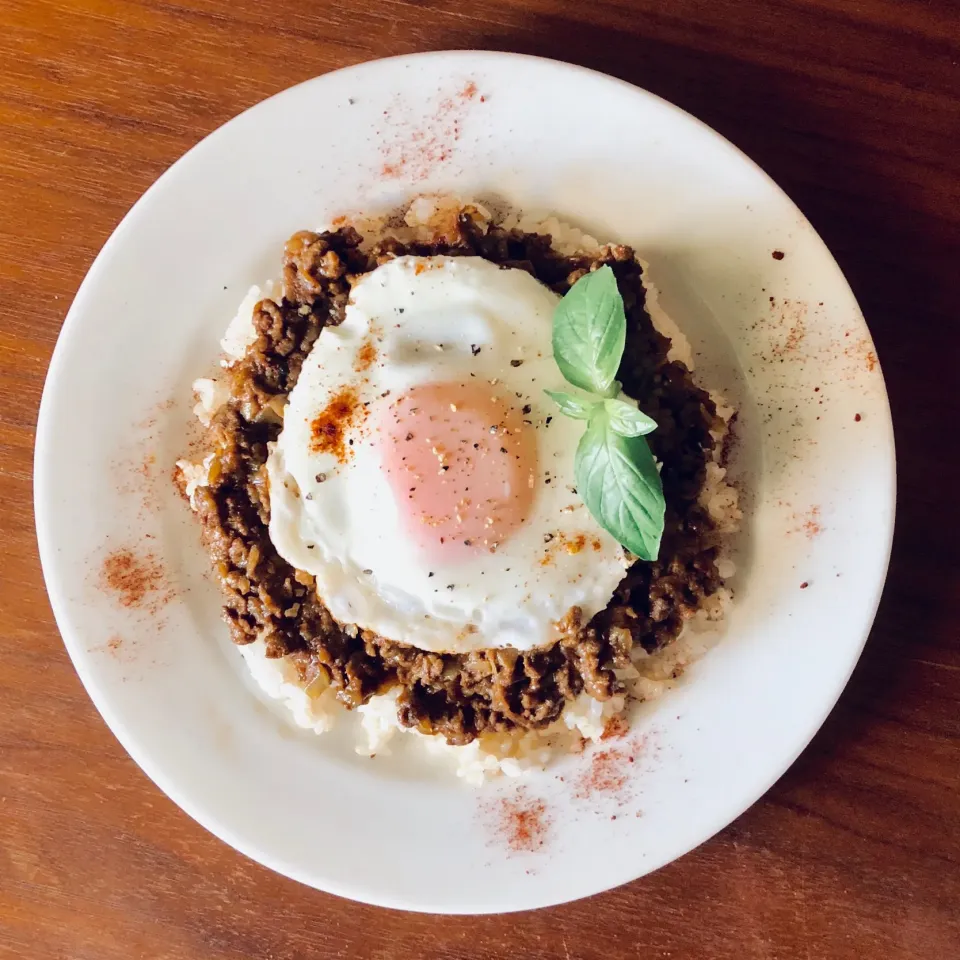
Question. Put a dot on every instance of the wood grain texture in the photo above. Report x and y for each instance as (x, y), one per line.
(853, 108)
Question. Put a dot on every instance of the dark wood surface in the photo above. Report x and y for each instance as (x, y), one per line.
(854, 109)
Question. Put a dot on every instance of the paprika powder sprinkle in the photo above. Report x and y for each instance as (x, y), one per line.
(521, 822)
(366, 356)
(412, 150)
(139, 582)
(343, 412)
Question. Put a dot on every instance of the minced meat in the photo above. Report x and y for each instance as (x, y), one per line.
(457, 696)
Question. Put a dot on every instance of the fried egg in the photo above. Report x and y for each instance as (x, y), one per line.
(423, 477)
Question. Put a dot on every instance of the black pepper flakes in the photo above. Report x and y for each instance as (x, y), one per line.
(515, 363)
(320, 477)
(474, 348)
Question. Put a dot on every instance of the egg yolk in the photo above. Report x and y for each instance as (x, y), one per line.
(462, 465)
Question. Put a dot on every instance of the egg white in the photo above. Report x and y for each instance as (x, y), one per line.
(426, 318)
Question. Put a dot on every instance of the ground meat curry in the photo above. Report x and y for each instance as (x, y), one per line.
(458, 696)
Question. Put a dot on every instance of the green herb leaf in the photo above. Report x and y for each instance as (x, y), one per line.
(616, 475)
(579, 408)
(589, 331)
(618, 480)
(628, 420)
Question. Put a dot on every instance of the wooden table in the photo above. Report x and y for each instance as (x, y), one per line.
(853, 108)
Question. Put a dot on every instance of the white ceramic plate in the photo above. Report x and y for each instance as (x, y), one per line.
(782, 336)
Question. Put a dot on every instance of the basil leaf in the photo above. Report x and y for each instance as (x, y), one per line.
(627, 420)
(617, 479)
(579, 408)
(589, 331)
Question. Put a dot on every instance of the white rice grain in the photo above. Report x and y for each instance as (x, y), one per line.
(313, 706)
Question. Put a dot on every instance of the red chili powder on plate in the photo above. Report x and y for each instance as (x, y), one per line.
(521, 822)
(811, 525)
(807, 523)
(413, 149)
(608, 773)
(139, 582)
